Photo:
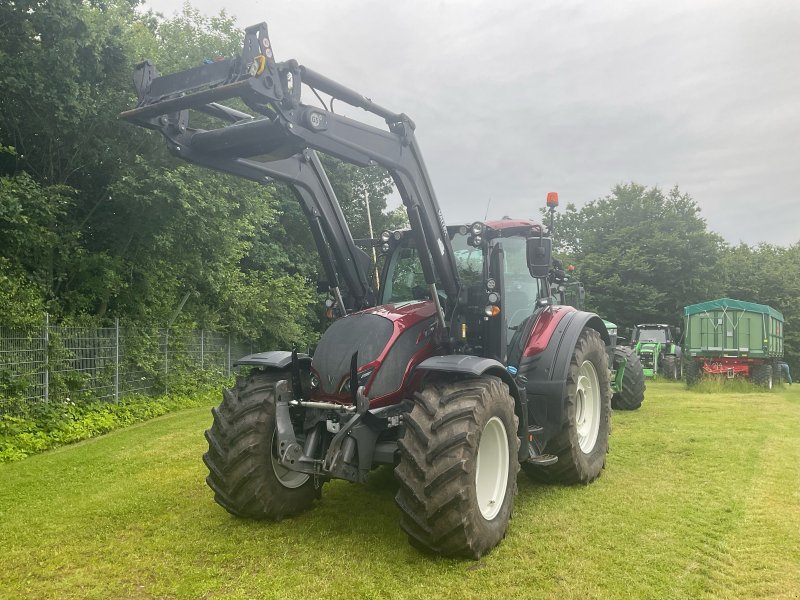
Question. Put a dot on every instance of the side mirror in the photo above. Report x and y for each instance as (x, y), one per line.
(540, 251)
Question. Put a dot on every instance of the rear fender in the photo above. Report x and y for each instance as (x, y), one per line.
(546, 372)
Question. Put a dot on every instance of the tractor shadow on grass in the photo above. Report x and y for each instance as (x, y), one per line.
(361, 523)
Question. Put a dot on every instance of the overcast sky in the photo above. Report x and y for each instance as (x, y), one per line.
(513, 99)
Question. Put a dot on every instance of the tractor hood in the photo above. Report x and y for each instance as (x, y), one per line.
(389, 339)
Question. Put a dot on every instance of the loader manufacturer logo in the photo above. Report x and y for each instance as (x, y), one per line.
(317, 120)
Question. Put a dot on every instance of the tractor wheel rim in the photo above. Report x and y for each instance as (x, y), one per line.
(491, 473)
(587, 407)
(286, 477)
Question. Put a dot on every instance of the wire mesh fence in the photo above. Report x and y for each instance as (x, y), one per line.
(54, 362)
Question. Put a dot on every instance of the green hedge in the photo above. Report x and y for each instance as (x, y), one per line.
(48, 425)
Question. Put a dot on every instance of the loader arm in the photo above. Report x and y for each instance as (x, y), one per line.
(250, 145)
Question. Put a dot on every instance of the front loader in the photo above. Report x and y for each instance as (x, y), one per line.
(462, 370)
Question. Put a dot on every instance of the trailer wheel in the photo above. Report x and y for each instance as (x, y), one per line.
(244, 472)
(631, 393)
(458, 467)
(761, 375)
(777, 374)
(670, 367)
(582, 444)
(692, 371)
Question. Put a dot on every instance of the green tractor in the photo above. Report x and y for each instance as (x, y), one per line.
(655, 345)
(627, 373)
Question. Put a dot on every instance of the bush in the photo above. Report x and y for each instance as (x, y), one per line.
(43, 426)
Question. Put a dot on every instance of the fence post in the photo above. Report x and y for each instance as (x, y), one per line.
(202, 348)
(166, 361)
(46, 357)
(116, 360)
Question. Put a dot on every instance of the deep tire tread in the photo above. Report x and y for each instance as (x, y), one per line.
(239, 457)
(437, 503)
(631, 396)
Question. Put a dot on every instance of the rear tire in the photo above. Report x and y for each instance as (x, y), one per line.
(761, 375)
(671, 367)
(631, 396)
(580, 461)
(458, 467)
(244, 473)
(692, 371)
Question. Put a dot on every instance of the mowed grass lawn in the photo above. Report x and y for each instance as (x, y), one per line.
(700, 498)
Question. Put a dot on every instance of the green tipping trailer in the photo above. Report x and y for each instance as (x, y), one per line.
(733, 338)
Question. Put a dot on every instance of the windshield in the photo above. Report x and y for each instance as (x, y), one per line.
(405, 281)
(653, 335)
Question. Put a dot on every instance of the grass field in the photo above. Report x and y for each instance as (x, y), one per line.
(700, 498)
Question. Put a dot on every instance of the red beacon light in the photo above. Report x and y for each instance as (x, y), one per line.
(552, 199)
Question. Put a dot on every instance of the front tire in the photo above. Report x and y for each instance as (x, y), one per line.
(244, 472)
(458, 467)
(631, 393)
(582, 444)
(671, 367)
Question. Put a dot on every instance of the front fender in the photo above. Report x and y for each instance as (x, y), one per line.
(276, 359)
(476, 366)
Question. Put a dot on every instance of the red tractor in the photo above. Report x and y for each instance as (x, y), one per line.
(458, 371)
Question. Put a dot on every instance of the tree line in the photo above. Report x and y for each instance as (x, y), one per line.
(643, 254)
(98, 221)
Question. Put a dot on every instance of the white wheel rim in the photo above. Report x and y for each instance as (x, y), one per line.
(769, 383)
(587, 407)
(491, 474)
(286, 477)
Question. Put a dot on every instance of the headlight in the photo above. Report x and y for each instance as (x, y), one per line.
(314, 381)
(363, 378)
(385, 236)
(476, 228)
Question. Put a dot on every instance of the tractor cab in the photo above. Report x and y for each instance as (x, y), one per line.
(498, 293)
(652, 333)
